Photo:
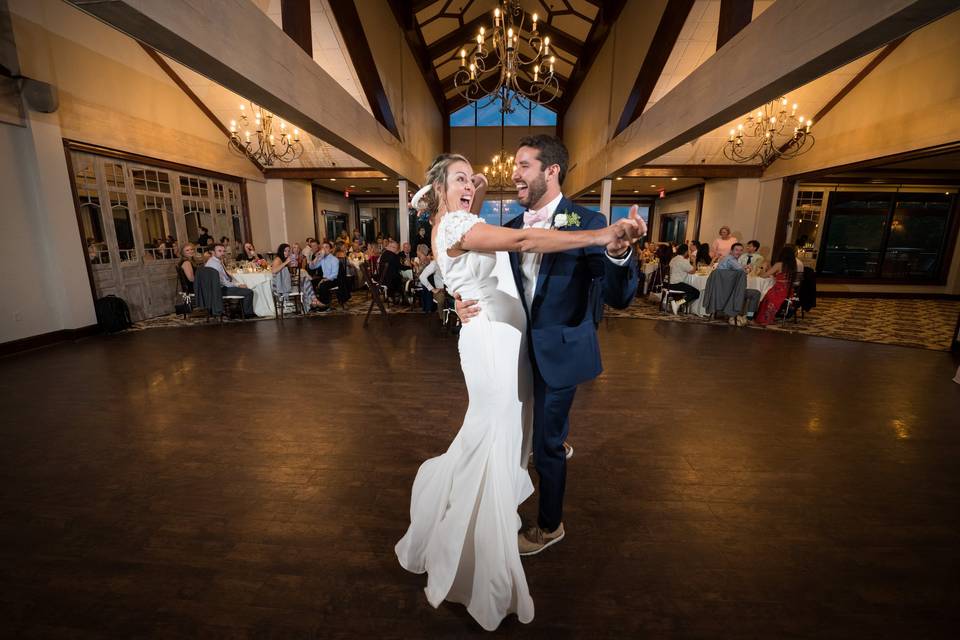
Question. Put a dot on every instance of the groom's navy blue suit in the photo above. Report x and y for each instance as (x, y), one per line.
(562, 337)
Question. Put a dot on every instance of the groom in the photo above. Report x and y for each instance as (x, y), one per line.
(563, 296)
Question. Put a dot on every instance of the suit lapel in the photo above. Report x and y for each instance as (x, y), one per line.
(517, 223)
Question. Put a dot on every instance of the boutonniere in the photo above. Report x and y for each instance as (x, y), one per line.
(566, 219)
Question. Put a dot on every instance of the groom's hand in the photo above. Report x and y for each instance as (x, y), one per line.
(641, 225)
(466, 309)
(625, 232)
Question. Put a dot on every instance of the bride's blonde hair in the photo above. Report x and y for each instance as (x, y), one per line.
(437, 179)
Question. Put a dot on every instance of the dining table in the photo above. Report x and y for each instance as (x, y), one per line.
(699, 280)
(261, 283)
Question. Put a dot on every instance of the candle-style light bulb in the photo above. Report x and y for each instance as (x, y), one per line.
(535, 23)
(463, 55)
(296, 135)
(809, 124)
(546, 45)
(242, 106)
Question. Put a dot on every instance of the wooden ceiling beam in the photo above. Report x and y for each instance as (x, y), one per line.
(414, 37)
(734, 16)
(781, 59)
(269, 69)
(295, 20)
(358, 48)
(695, 171)
(606, 16)
(664, 39)
(323, 173)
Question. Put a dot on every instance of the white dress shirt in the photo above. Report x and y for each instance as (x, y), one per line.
(530, 262)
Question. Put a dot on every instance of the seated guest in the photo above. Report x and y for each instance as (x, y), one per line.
(784, 272)
(309, 249)
(250, 253)
(680, 268)
(390, 269)
(703, 258)
(750, 258)
(732, 259)
(433, 293)
(185, 268)
(326, 268)
(230, 286)
(373, 257)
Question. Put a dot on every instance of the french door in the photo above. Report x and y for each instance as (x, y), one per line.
(134, 218)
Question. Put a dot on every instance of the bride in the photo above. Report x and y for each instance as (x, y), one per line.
(463, 510)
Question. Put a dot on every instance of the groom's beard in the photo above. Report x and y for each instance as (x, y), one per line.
(535, 191)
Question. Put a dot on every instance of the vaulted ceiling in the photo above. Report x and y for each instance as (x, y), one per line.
(573, 26)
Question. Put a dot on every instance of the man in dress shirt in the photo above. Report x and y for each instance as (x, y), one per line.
(750, 257)
(326, 268)
(230, 286)
(732, 259)
(680, 268)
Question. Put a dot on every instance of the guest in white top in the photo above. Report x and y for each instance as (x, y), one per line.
(431, 292)
(721, 246)
(680, 268)
(751, 259)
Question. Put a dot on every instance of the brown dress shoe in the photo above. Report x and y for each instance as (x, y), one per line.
(534, 540)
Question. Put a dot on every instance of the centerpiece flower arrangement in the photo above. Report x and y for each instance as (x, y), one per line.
(261, 263)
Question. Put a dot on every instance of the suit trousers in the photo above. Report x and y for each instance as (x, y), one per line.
(551, 409)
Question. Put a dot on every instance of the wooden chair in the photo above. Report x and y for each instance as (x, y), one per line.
(376, 291)
(294, 296)
(793, 301)
(667, 294)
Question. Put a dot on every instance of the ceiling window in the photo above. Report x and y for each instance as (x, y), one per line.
(480, 114)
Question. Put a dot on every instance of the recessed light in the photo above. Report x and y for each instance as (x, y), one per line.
(367, 191)
(333, 179)
(673, 179)
(654, 186)
(353, 186)
(636, 191)
(593, 190)
(619, 177)
(384, 179)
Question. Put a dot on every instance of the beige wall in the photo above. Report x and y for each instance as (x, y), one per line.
(749, 206)
(418, 119)
(911, 100)
(592, 118)
(327, 200)
(684, 201)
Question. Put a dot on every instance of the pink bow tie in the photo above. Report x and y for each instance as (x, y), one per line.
(531, 218)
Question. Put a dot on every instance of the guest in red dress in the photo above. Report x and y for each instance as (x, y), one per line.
(784, 272)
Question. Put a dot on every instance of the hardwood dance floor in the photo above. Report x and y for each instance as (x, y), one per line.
(251, 481)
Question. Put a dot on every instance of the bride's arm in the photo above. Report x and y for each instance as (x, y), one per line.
(488, 237)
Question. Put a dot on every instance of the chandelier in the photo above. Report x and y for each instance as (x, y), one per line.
(500, 172)
(507, 64)
(266, 144)
(774, 131)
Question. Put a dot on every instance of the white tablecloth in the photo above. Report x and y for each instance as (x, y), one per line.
(700, 282)
(261, 284)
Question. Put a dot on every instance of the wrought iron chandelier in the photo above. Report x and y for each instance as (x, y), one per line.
(499, 172)
(773, 131)
(504, 63)
(265, 144)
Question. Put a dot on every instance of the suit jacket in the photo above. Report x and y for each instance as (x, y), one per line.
(568, 300)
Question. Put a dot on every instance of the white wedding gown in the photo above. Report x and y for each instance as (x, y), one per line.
(463, 511)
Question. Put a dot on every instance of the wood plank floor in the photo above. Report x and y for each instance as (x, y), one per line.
(251, 480)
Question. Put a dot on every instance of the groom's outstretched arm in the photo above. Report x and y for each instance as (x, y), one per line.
(620, 277)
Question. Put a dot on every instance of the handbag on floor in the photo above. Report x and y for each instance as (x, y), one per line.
(113, 314)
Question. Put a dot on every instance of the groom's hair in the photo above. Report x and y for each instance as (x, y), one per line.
(552, 151)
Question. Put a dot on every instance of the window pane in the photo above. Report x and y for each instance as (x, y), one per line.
(852, 246)
(543, 117)
(519, 118)
(157, 227)
(488, 115)
(497, 212)
(916, 237)
(123, 226)
(465, 117)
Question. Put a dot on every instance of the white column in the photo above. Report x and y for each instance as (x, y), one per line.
(276, 213)
(606, 190)
(402, 211)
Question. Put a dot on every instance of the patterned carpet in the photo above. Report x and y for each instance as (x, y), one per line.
(921, 324)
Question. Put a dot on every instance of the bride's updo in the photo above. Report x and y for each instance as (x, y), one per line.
(437, 179)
